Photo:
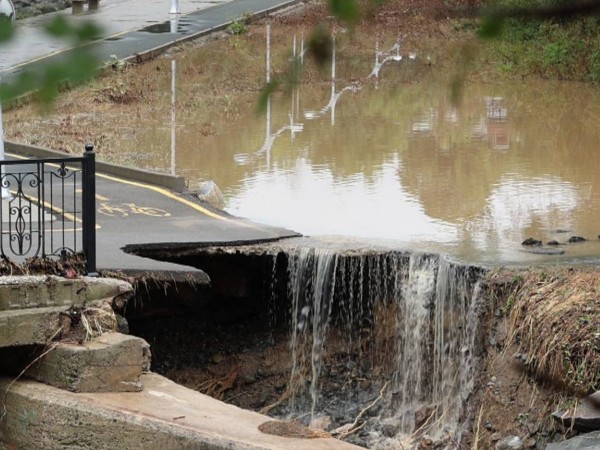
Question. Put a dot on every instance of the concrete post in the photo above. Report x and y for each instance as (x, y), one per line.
(175, 7)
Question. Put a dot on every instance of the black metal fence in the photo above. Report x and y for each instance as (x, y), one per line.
(49, 208)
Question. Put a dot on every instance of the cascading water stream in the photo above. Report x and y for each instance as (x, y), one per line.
(403, 325)
(416, 294)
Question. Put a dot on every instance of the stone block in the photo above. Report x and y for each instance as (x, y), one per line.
(22, 292)
(112, 362)
(29, 326)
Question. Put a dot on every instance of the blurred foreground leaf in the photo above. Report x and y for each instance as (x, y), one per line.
(491, 27)
(456, 89)
(345, 10)
(7, 29)
(265, 94)
(88, 32)
(76, 65)
(58, 27)
(320, 44)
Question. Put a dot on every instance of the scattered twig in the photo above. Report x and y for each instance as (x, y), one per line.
(348, 429)
(287, 394)
(476, 440)
(217, 388)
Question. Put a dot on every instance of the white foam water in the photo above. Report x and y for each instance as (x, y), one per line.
(403, 324)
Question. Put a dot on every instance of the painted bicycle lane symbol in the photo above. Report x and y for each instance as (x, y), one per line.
(126, 209)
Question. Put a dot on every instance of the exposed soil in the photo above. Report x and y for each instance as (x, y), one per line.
(542, 323)
(248, 364)
(239, 358)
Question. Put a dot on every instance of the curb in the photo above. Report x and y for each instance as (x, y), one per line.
(175, 183)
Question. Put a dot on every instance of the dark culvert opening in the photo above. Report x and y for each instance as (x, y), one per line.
(371, 345)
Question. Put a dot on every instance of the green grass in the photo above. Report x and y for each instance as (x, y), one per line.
(555, 49)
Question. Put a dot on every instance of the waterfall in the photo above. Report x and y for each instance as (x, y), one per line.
(395, 327)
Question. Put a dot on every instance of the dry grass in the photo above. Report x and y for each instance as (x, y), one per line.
(554, 318)
(70, 267)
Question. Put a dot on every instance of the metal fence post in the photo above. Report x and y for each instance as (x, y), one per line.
(88, 212)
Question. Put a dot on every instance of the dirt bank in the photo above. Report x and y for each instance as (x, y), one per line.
(235, 355)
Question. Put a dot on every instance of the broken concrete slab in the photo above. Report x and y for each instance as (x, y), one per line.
(163, 416)
(31, 306)
(112, 362)
(21, 292)
(29, 326)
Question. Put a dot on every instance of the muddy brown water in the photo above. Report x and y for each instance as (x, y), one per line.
(389, 157)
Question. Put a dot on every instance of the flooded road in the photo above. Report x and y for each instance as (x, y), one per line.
(376, 150)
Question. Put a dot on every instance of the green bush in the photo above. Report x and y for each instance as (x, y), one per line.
(594, 65)
(557, 48)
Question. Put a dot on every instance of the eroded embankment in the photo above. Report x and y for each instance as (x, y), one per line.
(542, 354)
(380, 346)
(377, 346)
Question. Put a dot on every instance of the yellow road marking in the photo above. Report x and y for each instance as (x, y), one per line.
(157, 189)
(167, 194)
(52, 208)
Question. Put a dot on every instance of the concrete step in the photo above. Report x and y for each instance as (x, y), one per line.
(31, 306)
(163, 416)
(113, 362)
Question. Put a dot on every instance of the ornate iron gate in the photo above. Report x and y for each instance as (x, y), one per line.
(48, 208)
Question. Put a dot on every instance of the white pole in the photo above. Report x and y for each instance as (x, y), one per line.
(4, 190)
(333, 83)
(175, 7)
(5, 193)
(297, 87)
(268, 77)
(174, 23)
(268, 53)
(293, 109)
(173, 124)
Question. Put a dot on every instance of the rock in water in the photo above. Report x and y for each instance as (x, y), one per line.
(531, 242)
(589, 441)
(574, 239)
(210, 193)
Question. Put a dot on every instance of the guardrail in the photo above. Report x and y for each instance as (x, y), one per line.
(49, 208)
